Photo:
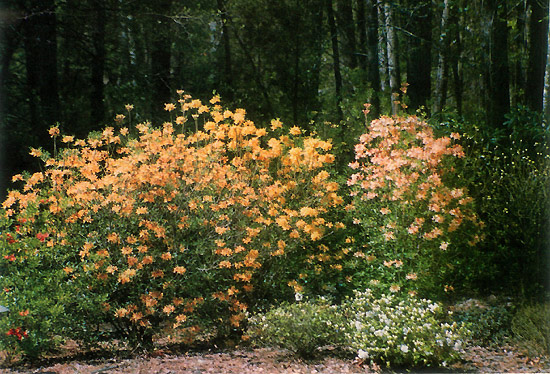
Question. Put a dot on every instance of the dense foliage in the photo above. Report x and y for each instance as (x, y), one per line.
(304, 327)
(164, 228)
(416, 220)
(186, 229)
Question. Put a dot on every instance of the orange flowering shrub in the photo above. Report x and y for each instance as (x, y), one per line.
(166, 228)
(416, 220)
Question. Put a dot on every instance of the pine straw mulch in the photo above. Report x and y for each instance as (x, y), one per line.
(251, 361)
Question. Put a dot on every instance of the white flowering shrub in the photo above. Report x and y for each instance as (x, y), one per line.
(401, 330)
(301, 327)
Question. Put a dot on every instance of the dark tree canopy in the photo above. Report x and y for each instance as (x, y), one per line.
(78, 63)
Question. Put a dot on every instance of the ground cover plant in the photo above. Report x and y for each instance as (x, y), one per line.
(167, 228)
(490, 321)
(394, 329)
(531, 327)
(402, 330)
(303, 327)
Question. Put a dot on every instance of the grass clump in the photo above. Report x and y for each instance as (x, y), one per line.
(531, 327)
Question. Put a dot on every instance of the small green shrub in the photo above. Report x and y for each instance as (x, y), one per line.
(531, 326)
(301, 327)
(402, 330)
(489, 323)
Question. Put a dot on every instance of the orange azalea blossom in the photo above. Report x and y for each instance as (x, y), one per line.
(121, 312)
(227, 180)
(157, 274)
(54, 131)
(179, 270)
(295, 130)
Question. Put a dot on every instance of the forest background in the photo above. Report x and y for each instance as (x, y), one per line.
(477, 67)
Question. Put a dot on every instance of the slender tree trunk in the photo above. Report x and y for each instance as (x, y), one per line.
(456, 62)
(499, 81)
(442, 65)
(362, 33)
(347, 25)
(254, 67)
(538, 33)
(372, 55)
(546, 100)
(455, 58)
(227, 65)
(335, 59)
(9, 40)
(518, 70)
(419, 62)
(41, 63)
(296, 82)
(382, 49)
(161, 53)
(98, 63)
(49, 93)
(32, 72)
(393, 63)
(319, 51)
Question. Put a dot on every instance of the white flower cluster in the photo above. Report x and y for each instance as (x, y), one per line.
(399, 330)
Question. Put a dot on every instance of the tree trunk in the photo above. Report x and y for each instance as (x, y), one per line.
(9, 40)
(538, 35)
(227, 65)
(362, 33)
(372, 55)
(456, 62)
(161, 53)
(41, 64)
(318, 52)
(442, 65)
(347, 26)
(296, 82)
(419, 57)
(335, 59)
(393, 63)
(382, 46)
(98, 63)
(255, 69)
(518, 70)
(546, 100)
(499, 81)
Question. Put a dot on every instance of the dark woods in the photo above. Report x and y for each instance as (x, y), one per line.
(307, 62)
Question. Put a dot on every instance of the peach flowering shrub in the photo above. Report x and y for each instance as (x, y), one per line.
(178, 228)
(416, 221)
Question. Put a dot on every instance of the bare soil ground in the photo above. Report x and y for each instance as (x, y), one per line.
(248, 361)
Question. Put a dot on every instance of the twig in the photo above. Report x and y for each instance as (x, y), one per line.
(104, 369)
